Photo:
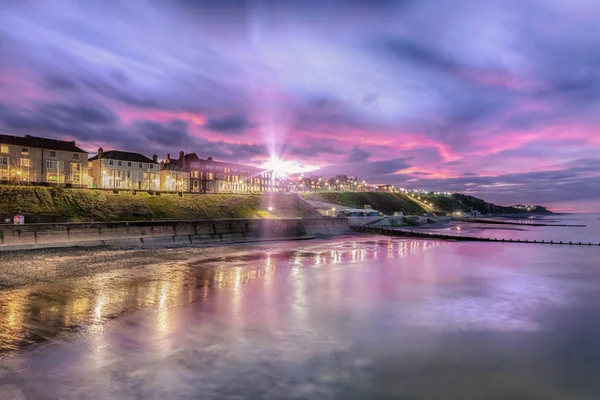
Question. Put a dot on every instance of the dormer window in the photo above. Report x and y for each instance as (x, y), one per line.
(24, 151)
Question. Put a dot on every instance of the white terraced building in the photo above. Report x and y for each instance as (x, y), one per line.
(124, 170)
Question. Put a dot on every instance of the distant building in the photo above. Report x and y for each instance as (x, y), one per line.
(343, 183)
(209, 176)
(124, 170)
(384, 188)
(173, 178)
(41, 160)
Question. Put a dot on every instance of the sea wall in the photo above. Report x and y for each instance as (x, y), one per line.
(31, 236)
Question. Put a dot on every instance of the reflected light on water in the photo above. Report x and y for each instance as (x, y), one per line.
(70, 305)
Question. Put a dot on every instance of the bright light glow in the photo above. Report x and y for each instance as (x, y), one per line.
(270, 208)
(282, 168)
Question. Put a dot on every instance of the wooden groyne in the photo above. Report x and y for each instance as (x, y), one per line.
(431, 235)
(488, 221)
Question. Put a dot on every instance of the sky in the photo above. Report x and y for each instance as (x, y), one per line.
(498, 99)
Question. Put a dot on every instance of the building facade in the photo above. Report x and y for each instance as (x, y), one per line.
(31, 159)
(173, 178)
(124, 170)
(209, 176)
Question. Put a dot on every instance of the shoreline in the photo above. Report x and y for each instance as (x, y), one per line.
(46, 266)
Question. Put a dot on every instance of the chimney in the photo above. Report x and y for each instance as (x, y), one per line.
(155, 158)
(168, 159)
(181, 155)
(209, 158)
(100, 153)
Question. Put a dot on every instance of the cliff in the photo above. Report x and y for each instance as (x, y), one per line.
(415, 204)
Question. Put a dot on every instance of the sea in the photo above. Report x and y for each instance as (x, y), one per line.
(351, 317)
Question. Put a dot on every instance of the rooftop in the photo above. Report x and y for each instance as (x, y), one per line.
(42, 143)
(125, 156)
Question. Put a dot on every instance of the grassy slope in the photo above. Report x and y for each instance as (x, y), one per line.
(97, 205)
(391, 202)
(386, 202)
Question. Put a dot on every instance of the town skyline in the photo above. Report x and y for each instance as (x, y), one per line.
(496, 100)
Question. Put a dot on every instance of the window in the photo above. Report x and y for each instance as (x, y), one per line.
(3, 148)
(111, 162)
(129, 174)
(120, 164)
(53, 165)
(75, 172)
(129, 164)
(24, 151)
(3, 162)
(75, 156)
(151, 166)
(52, 154)
(140, 165)
(24, 163)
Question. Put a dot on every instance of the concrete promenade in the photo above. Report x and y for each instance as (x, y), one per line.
(34, 236)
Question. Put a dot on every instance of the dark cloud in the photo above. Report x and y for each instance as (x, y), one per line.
(173, 133)
(312, 150)
(59, 82)
(327, 114)
(232, 124)
(116, 91)
(81, 119)
(387, 167)
(358, 154)
(419, 54)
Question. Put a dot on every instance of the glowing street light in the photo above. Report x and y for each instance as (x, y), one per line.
(270, 208)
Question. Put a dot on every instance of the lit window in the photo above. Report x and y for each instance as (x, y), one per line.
(24, 163)
(75, 156)
(75, 172)
(3, 148)
(52, 154)
(24, 151)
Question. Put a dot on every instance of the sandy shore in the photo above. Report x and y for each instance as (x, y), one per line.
(21, 268)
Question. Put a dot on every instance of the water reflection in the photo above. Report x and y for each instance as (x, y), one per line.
(342, 318)
(39, 313)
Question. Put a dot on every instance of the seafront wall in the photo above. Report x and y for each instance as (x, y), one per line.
(31, 236)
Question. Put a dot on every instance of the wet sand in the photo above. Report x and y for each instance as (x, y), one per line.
(21, 268)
